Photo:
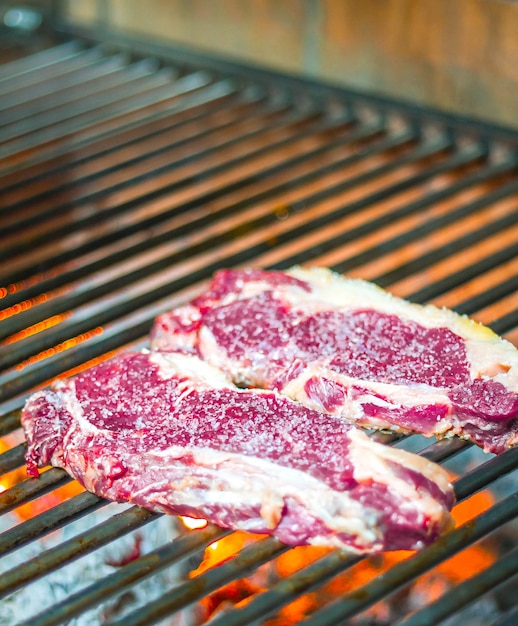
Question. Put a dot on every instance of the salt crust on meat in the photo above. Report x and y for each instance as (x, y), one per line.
(171, 433)
(475, 395)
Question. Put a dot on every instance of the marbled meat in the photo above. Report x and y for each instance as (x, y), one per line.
(171, 433)
(348, 348)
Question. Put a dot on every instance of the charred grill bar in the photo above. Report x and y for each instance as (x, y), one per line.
(130, 175)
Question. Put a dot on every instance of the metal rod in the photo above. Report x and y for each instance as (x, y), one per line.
(74, 59)
(509, 619)
(128, 248)
(265, 117)
(304, 581)
(198, 96)
(506, 322)
(95, 140)
(487, 473)
(409, 208)
(58, 516)
(91, 78)
(467, 592)
(70, 550)
(12, 459)
(498, 291)
(130, 574)
(156, 88)
(317, 574)
(230, 209)
(34, 62)
(73, 327)
(176, 121)
(246, 561)
(444, 449)
(32, 488)
(90, 290)
(405, 571)
(8, 422)
(262, 113)
(139, 77)
(461, 242)
(293, 119)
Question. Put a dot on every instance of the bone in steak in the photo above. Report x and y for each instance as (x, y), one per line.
(170, 433)
(348, 348)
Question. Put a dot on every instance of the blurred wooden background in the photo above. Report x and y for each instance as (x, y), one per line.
(458, 55)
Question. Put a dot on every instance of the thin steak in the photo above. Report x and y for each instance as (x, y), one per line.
(348, 348)
(171, 433)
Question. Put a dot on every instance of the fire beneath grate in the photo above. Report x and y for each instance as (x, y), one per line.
(127, 180)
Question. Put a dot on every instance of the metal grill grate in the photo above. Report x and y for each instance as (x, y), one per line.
(127, 181)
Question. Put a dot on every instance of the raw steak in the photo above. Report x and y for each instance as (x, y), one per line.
(348, 348)
(172, 434)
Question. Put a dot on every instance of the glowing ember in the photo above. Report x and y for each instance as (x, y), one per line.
(191, 522)
(61, 347)
(37, 328)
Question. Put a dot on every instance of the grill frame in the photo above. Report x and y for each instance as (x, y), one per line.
(470, 142)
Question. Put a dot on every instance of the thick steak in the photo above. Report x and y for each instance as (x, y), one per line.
(348, 348)
(170, 433)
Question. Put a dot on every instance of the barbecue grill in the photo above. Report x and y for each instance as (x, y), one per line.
(131, 172)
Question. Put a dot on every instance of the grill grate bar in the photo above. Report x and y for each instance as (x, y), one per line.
(80, 323)
(43, 95)
(506, 322)
(8, 422)
(466, 592)
(128, 248)
(281, 594)
(32, 488)
(93, 140)
(443, 252)
(197, 203)
(139, 77)
(406, 571)
(269, 119)
(495, 293)
(12, 459)
(262, 113)
(72, 549)
(35, 62)
(427, 201)
(139, 569)
(77, 57)
(159, 87)
(198, 97)
(487, 473)
(293, 120)
(246, 561)
(186, 131)
(315, 575)
(92, 79)
(57, 517)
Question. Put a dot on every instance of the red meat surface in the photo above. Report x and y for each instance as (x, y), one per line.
(348, 348)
